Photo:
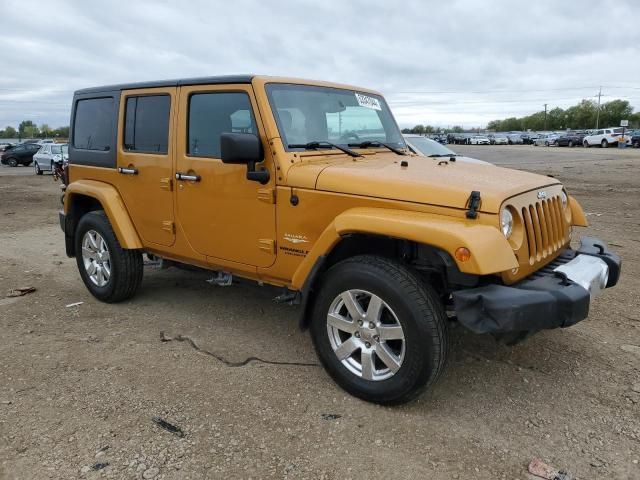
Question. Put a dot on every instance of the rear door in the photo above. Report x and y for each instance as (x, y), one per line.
(145, 161)
(223, 215)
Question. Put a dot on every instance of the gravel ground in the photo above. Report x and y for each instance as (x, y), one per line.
(82, 385)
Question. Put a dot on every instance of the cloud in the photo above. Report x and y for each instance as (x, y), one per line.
(441, 64)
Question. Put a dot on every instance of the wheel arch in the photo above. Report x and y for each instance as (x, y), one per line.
(422, 240)
(84, 196)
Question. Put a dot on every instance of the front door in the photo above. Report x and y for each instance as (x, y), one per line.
(223, 215)
(145, 161)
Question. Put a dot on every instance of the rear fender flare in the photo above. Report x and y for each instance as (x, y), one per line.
(113, 206)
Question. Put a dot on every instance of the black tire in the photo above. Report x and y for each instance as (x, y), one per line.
(126, 265)
(37, 168)
(570, 145)
(586, 144)
(604, 144)
(12, 162)
(418, 310)
(636, 144)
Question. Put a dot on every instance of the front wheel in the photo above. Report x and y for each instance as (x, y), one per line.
(12, 162)
(604, 144)
(110, 272)
(570, 145)
(379, 330)
(37, 169)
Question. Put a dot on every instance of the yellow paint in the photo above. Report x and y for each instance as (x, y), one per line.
(255, 231)
(113, 205)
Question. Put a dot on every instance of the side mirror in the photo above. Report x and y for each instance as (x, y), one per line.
(244, 148)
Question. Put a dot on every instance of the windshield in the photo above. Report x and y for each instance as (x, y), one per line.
(321, 114)
(426, 146)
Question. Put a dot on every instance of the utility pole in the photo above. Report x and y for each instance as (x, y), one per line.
(545, 117)
(598, 111)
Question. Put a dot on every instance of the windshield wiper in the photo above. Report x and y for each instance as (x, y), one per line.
(369, 143)
(437, 155)
(323, 144)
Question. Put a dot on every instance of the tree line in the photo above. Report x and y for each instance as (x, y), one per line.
(582, 116)
(28, 129)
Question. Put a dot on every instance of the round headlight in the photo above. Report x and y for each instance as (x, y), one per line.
(506, 222)
(564, 198)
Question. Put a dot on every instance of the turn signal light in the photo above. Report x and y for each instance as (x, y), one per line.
(463, 254)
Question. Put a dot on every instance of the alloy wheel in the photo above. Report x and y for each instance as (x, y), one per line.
(96, 258)
(366, 335)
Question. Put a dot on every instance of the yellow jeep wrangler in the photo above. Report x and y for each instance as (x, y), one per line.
(310, 186)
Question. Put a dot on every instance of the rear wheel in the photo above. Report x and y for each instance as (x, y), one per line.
(36, 168)
(110, 272)
(379, 330)
(12, 162)
(570, 143)
(604, 144)
(585, 144)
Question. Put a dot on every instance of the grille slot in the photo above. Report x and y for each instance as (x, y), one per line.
(544, 227)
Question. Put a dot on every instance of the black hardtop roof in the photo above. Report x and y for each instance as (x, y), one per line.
(222, 79)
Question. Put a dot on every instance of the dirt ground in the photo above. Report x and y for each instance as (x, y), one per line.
(81, 385)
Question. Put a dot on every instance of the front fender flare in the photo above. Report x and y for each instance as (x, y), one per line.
(490, 251)
(113, 206)
(578, 218)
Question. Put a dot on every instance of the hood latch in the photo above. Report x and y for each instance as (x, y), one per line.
(473, 204)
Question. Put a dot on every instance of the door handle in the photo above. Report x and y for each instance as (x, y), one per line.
(128, 170)
(189, 178)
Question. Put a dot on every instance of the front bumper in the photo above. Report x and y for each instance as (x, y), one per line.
(557, 295)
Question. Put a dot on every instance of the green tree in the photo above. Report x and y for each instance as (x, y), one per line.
(60, 132)
(612, 112)
(8, 132)
(512, 123)
(28, 129)
(45, 131)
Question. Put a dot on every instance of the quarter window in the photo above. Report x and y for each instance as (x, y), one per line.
(146, 123)
(93, 124)
(212, 114)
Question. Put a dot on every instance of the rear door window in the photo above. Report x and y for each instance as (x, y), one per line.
(93, 124)
(146, 124)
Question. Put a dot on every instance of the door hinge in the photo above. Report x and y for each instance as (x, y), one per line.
(166, 183)
(267, 245)
(267, 195)
(168, 226)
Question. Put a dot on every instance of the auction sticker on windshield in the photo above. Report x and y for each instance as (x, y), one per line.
(368, 102)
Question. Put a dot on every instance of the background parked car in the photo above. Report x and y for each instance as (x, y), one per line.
(515, 139)
(635, 138)
(499, 139)
(429, 148)
(5, 145)
(570, 139)
(48, 154)
(479, 140)
(20, 155)
(547, 139)
(606, 137)
(529, 138)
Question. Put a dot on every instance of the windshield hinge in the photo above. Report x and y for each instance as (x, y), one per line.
(473, 204)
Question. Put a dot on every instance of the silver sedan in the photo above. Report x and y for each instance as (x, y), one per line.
(49, 153)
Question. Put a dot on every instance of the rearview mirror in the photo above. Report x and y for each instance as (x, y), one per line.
(239, 148)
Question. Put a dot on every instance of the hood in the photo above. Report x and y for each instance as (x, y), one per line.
(422, 181)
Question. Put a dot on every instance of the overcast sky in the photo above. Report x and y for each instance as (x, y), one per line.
(438, 63)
